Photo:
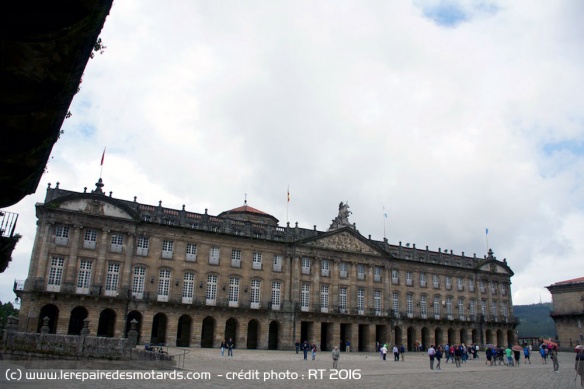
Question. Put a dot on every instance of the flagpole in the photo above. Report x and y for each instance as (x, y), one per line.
(101, 164)
(487, 238)
(384, 222)
(287, 204)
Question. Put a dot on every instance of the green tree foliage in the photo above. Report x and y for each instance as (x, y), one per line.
(6, 310)
(535, 320)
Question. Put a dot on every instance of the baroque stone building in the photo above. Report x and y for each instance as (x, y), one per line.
(568, 311)
(193, 279)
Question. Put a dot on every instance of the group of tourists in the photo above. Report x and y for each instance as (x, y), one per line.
(457, 354)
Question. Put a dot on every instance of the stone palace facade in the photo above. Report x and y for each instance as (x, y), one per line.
(192, 279)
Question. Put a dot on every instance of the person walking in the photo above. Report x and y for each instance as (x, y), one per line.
(313, 351)
(526, 354)
(402, 351)
(384, 352)
(554, 356)
(431, 354)
(230, 346)
(395, 353)
(297, 345)
(348, 346)
(223, 344)
(438, 356)
(579, 367)
(305, 348)
(336, 355)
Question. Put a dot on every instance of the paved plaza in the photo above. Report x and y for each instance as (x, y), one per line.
(275, 369)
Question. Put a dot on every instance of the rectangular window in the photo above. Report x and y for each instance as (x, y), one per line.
(62, 235)
(494, 309)
(191, 253)
(211, 296)
(343, 300)
(435, 281)
(257, 261)
(305, 265)
(360, 272)
(423, 280)
(233, 291)
(395, 304)
(84, 277)
(276, 290)
(449, 307)
(503, 289)
(324, 268)
(163, 285)
(484, 307)
(471, 285)
(138, 282)
(409, 279)
(255, 294)
(377, 302)
(343, 270)
(424, 307)
(461, 309)
(504, 311)
(117, 243)
(236, 258)
(448, 283)
(305, 297)
(324, 298)
(410, 305)
(188, 288)
(482, 286)
(167, 249)
(112, 278)
(361, 301)
(142, 246)
(377, 274)
(460, 284)
(473, 308)
(214, 256)
(55, 274)
(493, 288)
(277, 263)
(395, 277)
(436, 307)
(89, 239)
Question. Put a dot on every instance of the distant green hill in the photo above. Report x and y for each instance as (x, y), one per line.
(535, 321)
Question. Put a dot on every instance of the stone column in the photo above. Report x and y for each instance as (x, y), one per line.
(101, 264)
(40, 251)
(70, 271)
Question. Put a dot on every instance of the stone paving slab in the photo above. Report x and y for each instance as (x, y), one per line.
(276, 369)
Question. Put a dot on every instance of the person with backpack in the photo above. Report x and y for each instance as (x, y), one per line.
(438, 356)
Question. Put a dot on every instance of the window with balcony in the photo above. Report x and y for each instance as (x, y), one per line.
(277, 267)
(460, 284)
(494, 310)
(324, 268)
(410, 305)
(55, 274)
(62, 235)
(257, 261)
(360, 272)
(167, 249)
(448, 283)
(472, 308)
(461, 309)
(504, 311)
(436, 306)
(117, 243)
(233, 291)
(343, 300)
(361, 301)
(112, 278)
(395, 276)
(138, 282)
(423, 280)
(305, 265)
(163, 285)
(482, 286)
(423, 306)
(377, 274)
(471, 285)
(324, 298)
(449, 308)
(211, 294)
(89, 239)
(255, 294)
(214, 256)
(503, 289)
(84, 277)
(409, 279)
(191, 252)
(343, 270)
(142, 245)
(395, 304)
(276, 295)
(188, 288)
(435, 281)
(235, 258)
(484, 307)
(305, 297)
(377, 302)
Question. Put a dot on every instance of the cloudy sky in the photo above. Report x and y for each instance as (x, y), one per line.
(453, 116)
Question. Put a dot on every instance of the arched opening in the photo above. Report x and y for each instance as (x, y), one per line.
(511, 340)
(425, 342)
(475, 337)
(158, 334)
(253, 328)
(78, 314)
(183, 331)
(107, 321)
(501, 339)
(397, 340)
(452, 336)
(463, 336)
(52, 312)
(438, 337)
(273, 335)
(208, 332)
(490, 338)
(411, 339)
(134, 315)
(231, 331)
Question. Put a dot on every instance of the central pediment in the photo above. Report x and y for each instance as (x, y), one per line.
(343, 241)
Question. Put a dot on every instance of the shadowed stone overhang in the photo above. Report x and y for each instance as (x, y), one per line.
(44, 48)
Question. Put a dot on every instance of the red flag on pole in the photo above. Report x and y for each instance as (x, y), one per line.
(102, 156)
